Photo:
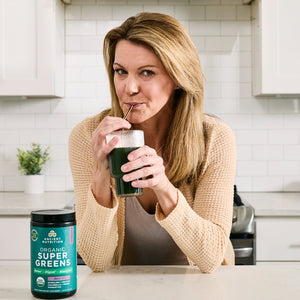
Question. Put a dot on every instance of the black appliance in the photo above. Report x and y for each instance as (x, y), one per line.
(242, 234)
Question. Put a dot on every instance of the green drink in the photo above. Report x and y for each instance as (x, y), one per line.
(129, 140)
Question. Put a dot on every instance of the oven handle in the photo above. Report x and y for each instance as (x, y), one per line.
(243, 252)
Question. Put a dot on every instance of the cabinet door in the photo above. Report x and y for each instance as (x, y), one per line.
(15, 238)
(276, 47)
(31, 48)
(278, 239)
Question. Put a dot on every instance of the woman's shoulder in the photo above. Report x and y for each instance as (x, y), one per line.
(216, 130)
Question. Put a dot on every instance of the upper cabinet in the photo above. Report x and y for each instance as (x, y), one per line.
(276, 47)
(32, 48)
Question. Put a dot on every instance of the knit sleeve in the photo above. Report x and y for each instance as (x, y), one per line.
(202, 231)
(97, 231)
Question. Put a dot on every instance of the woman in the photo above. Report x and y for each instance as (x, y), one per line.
(187, 164)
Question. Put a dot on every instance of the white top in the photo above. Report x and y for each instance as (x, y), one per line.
(168, 283)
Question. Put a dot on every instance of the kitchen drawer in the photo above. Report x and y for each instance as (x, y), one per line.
(15, 238)
(278, 239)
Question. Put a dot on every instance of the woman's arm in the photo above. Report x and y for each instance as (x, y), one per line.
(97, 231)
(202, 232)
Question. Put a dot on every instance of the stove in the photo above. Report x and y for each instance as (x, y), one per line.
(242, 236)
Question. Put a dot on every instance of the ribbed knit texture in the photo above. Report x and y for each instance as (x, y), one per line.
(200, 224)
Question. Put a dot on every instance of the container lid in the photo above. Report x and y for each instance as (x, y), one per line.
(53, 215)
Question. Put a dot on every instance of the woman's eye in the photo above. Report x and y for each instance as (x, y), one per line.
(120, 71)
(147, 73)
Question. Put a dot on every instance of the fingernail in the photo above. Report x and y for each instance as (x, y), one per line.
(124, 168)
(125, 178)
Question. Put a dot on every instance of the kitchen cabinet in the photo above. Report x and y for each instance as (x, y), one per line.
(275, 47)
(15, 238)
(32, 48)
(278, 239)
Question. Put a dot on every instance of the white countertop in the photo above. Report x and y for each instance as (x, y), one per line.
(274, 204)
(167, 282)
(21, 204)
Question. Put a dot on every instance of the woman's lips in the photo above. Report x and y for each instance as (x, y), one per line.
(134, 104)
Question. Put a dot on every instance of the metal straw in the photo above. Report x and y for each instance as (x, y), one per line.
(129, 110)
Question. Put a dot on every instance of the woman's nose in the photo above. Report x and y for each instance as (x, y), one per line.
(132, 85)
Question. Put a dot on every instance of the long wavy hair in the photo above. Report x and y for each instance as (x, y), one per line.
(184, 147)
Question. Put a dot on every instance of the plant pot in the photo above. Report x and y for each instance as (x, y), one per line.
(34, 184)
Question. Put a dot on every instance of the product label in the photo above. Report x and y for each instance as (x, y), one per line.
(53, 259)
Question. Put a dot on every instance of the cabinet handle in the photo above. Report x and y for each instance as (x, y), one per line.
(243, 252)
(295, 246)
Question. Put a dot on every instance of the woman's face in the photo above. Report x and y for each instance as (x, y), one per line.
(141, 80)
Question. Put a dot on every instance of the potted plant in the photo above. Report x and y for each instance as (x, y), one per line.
(31, 163)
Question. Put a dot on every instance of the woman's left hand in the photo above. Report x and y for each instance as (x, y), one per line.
(146, 169)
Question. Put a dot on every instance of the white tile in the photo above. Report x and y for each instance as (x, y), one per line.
(66, 105)
(291, 120)
(74, 119)
(244, 75)
(96, 12)
(212, 90)
(93, 106)
(252, 105)
(9, 168)
(267, 121)
(288, 136)
(220, 106)
(267, 184)
(28, 136)
(1, 183)
(82, 90)
(267, 152)
(104, 26)
(72, 12)
(223, 43)
(163, 9)
(14, 183)
(72, 74)
(244, 183)
(76, 60)
(69, 183)
(123, 12)
(251, 137)
(282, 105)
(10, 136)
(59, 167)
(81, 27)
(236, 28)
(10, 152)
(189, 12)
(252, 168)
(220, 12)
(204, 28)
(59, 136)
(91, 43)
(18, 121)
(238, 121)
(199, 42)
(10, 106)
(291, 184)
(205, 2)
(92, 74)
(51, 121)
(72, 43)
(283, 168)
(292, 152)
(35, 106)
(210, 59)
(58, 152)
(55, 183)
(243, 152)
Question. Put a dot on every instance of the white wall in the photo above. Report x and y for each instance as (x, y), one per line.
(267, 130)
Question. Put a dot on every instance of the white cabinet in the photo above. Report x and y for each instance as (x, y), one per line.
(276, 47)
(15, 238)
(32, 48)
(278, 239)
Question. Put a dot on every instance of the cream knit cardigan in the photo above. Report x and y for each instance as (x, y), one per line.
(200, 224)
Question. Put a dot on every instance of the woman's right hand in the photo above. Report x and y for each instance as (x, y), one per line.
(101, 177)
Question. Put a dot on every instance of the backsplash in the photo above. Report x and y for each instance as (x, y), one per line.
(267, 130)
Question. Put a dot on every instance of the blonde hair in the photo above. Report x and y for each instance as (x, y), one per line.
(184, 147)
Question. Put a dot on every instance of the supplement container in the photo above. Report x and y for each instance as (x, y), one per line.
(53, 254)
